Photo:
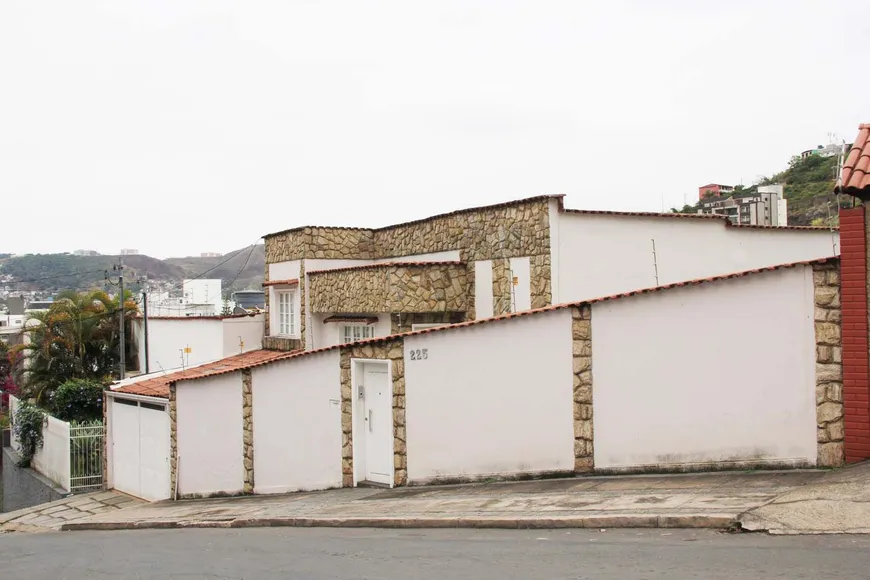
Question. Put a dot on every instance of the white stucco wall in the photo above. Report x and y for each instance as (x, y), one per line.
(600, 255)
(297, 424)
(713, 373)
(167, 338)
(284, 270)
(209, 431)
(483, 307)
(446, 256)
(248, 330)
(482, 402)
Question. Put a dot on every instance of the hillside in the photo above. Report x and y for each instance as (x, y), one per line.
(808, 185)
(245, 265)
(54, 272)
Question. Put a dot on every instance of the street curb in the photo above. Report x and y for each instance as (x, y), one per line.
(710, 521)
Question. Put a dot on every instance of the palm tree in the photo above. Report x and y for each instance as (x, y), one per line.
(77, 337)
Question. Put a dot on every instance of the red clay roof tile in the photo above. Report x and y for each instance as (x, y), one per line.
(689, 216)
(158, 386)
(288, 282)
(426, 219)
(295, 354)
(350, 318)
(855, 177)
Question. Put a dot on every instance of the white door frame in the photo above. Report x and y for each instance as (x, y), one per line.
(359, 449)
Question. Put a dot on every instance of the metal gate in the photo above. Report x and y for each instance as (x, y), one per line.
(87, 444)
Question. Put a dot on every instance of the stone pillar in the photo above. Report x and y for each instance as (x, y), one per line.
(501, 286)
(854, 296)
(248, 429)
(396, 354)
(346, 420)
(303, 311)
(829, 366)
(173, 440)
(541, 281)
(581, 334)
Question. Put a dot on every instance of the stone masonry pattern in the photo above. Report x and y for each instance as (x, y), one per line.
(391, 288)
(394, 352)
(506, 231)
(248, 430)
(173, 439)
(581, 334)
(829, 366)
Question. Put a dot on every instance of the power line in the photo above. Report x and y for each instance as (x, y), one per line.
(242, 268)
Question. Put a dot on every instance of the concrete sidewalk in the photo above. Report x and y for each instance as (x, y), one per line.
(838, 503)
(52, 515)
(713, 500)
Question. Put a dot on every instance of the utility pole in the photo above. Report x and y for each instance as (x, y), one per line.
(123, 346)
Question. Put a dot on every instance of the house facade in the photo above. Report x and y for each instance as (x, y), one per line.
(331, 285)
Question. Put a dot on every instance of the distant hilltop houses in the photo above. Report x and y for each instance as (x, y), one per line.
(766, 206)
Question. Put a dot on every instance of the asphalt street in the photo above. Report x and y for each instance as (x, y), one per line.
(314, 554)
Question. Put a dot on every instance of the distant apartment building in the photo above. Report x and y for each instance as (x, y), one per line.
(129, 252)
(766, 207)
(210, 255)
(714, 190)
(199, 297)
(86, 253)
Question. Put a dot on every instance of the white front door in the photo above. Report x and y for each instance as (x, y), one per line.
(376, 422)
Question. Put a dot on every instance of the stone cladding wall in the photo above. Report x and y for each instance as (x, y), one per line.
(829, 365)
(173, 440)
(248, 429)
(506, 231)
(394, 352)
(391, 288)
(581, 334)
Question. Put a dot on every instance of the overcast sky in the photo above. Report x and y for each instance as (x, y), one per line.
(179, 127)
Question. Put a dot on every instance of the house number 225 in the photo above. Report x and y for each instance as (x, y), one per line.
(419, 354)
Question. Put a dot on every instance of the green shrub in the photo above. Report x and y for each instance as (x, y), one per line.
(78, 400)
(28, 431)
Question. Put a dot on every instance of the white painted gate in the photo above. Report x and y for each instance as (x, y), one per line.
(140, 449)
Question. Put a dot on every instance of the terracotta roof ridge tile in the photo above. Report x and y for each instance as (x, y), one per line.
(689, 216)
(498, 205)
(287, 282)
(401, 336)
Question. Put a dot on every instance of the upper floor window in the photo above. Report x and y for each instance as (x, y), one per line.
(355, 332)
(286, 312)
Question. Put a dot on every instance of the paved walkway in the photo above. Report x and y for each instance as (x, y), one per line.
(52, 515)
(839, 503)
(701, 500)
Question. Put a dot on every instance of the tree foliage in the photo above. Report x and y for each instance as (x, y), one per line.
(28, 431)
(77, 338)
(79, 400)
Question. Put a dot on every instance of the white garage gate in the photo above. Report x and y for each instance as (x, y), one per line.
(139, 447)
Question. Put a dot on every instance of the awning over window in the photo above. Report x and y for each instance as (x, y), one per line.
(292, 282)
(356, 319)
